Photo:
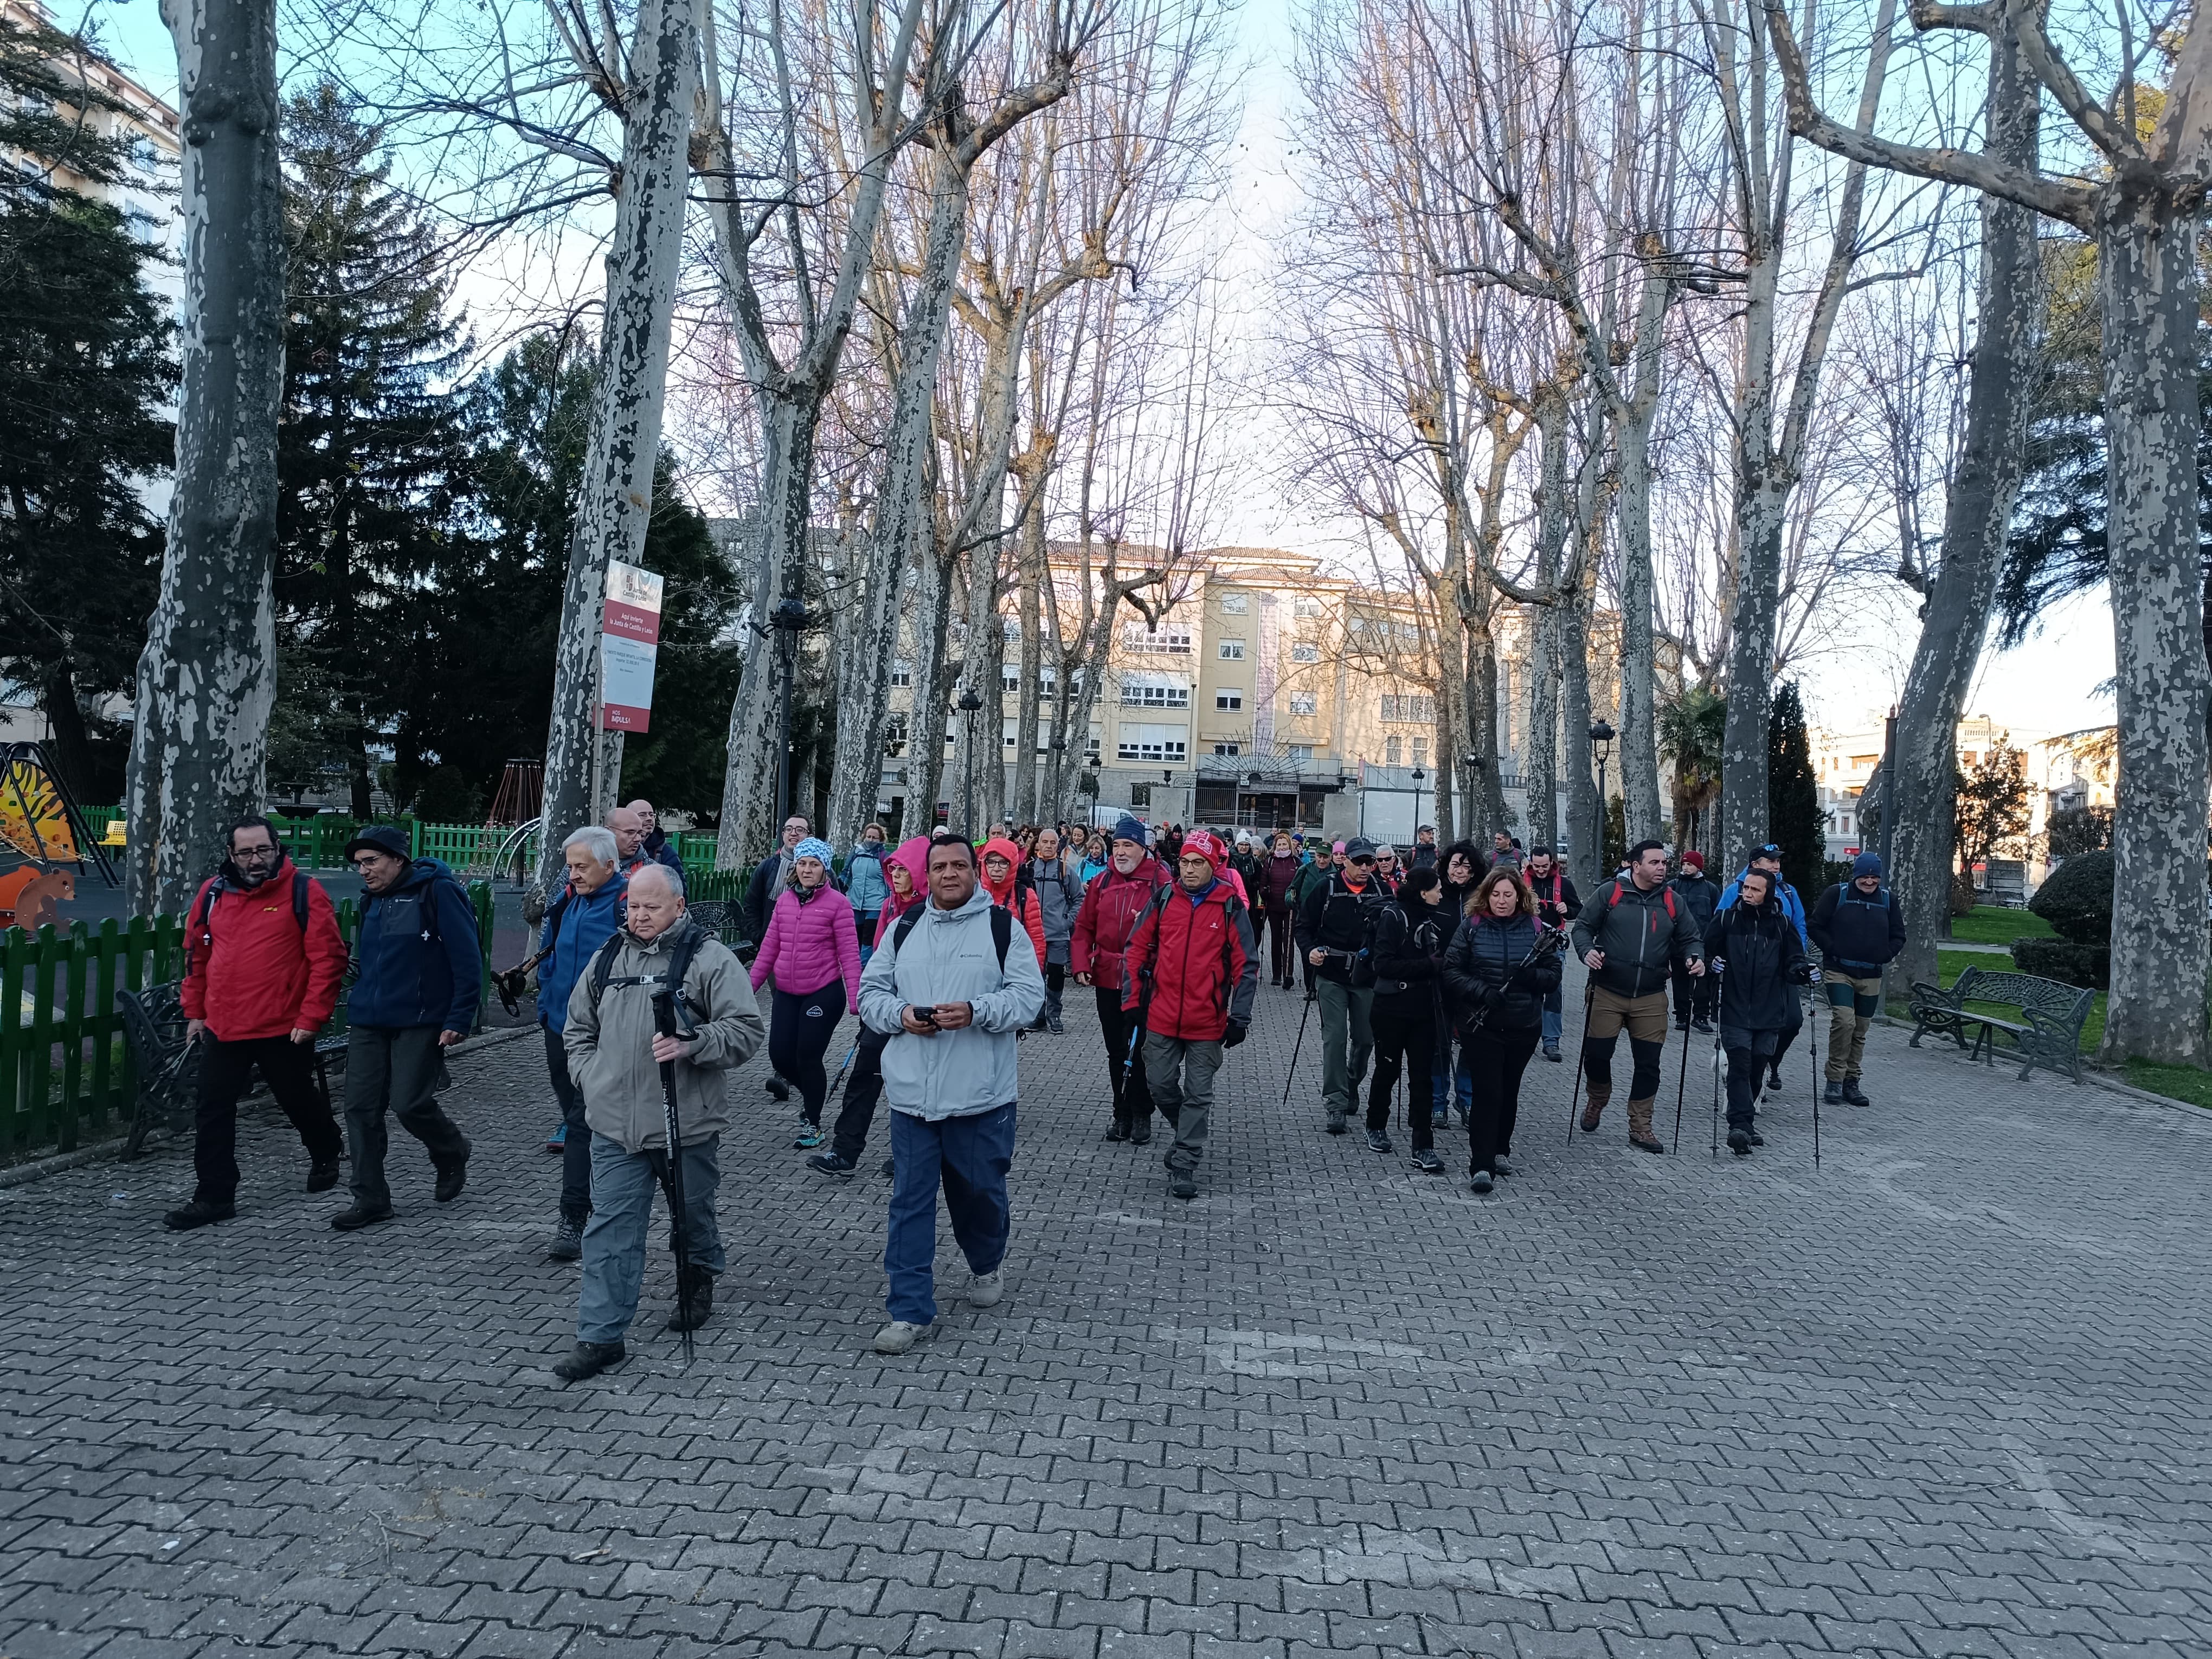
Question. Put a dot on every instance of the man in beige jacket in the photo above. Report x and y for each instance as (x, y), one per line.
(615, 1056)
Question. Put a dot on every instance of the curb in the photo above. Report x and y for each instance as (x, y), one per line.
(2101, 1080)
(22, 1175)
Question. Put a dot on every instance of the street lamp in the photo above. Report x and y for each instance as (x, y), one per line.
(1601, 735)
(969, 702)
(789, 620)
(1473, 761)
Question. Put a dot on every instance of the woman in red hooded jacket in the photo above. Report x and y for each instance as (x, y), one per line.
(1003, 880)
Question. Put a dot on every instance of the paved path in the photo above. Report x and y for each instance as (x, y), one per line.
(1948, 1396)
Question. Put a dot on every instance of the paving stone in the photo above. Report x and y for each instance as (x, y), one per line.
(1927, 1401)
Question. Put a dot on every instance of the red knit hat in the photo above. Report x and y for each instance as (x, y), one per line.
(1695, 861)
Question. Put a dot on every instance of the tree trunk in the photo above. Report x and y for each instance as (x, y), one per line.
(1481, 696)
(206, 679)
(1539, 757)
(1919, 791)
(1639, 713)
(68, 743)
(1031, 542)
(932, 696)
(2147, 284)
(623, 442)
(1583, 806)
(980, 756)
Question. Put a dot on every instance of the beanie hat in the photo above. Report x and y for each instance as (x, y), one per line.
(1128, 827)
(1207, 846)
(1338, 847)
(813, 848)
(1694, 860)
(381, 838)
(1866, 864)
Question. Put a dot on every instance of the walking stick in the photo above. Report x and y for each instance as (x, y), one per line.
(1581, 1049)
(679, 1243)
(1682, 1083)
(1310, 1000)
(838, 1081)
(1813, 1060)
(1715, 967)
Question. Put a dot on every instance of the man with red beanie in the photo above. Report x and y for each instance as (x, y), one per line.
(1694, 997)
(1191, 971)
(263, 964)
(1112, 905)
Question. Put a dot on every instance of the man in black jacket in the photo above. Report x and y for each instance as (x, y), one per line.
(1411, 931)
(1628, 936)
(1859, 929)
(1693, 993)
(1557, 904)
(1335, 925)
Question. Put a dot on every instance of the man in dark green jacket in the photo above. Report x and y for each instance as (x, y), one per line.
(1628, 935)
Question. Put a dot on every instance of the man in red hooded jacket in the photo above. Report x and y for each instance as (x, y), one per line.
(1111, 906)
(1192, 969)
(263, 964)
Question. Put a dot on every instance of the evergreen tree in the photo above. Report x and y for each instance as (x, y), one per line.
(374, 457)
(84, 377)
(1794, 821)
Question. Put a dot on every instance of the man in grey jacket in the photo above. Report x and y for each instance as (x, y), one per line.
(1629, 935)
(951, 997)
(615, 1054)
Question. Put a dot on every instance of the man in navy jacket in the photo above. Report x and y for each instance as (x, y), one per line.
(418, 973)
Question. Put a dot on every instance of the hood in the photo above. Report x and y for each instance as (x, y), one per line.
(1003, 892)
(912, 857)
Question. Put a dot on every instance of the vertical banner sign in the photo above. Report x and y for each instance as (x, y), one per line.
(629, 641)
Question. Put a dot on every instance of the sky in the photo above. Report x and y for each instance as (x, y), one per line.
(2057, 680)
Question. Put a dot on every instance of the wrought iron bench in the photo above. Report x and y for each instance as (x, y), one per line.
(2048, 1032)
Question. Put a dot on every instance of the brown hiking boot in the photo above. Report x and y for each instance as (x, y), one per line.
(1639, 1128)
(1595, 1109)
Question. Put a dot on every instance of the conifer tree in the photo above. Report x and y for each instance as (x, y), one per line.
(1795, 820)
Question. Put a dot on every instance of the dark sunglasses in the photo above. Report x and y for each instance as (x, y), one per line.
(1363, 859)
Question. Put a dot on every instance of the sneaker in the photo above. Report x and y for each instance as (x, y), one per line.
(1426, 1161)
(322, 1175)
(1118, 1130)
(901, 1335)
(985, 1289)
(809, 1136)
(1681, 1022)
(589, 1359)
(1440, 1118)
(777, 1087)
(890, 1168)
(360, 1216)
(1833, 1095)
(699, 1306)
(1052, 1024)
(1378, 1140)
(567, 1243)
(1501, 1165)
(1852, 1093)
(836, 1164)
(197, 1213)
(1702, 1025)
(452, 1177)
(1757, 1139)
(1183, 1183)
(1552, 1052)
(557, 1142)
(1774, 1079)
(1740, 1143)
(1141, 1134)
(1479, 1182)
(1336, 1123)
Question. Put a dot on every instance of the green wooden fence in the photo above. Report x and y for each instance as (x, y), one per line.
(65, 1072)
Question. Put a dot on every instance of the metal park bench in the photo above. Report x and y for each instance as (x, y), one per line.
(2048, 1032)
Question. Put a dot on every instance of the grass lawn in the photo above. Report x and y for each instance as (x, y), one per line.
(1991, 924)
(2174, 1082)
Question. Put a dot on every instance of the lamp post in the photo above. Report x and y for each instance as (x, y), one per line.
(1600, 735)
(969, 702)
(789, 620)
(1472, 762)
(1419, 775)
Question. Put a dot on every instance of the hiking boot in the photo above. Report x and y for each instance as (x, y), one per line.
(567, 1243)
(1593, 1109)
(777, 1087)
(1852, 1093)
(1479, 1182)
(1141, 1134)
(1501, 1166)
(1757, 1139)
(1681, 1022)
(1440, 1118)
(1118, 1130)
(987, 1290)
(557, 1142)
(1640, 1135)
(1052, 1024)
(322, 1175)
(890, 1168)
(1774, 1079)
(589, 1359)
(809, 1137)
(197, 1213)
(836, 1164)
(1740, 1142)
(1702, 1024)
(1183, 1183)
(702, 1303)
(1336, 1123)
(451, 1177)
(1552, 1052)
(1378, 1140)
(1833, 1095)
(361, 1215)
(1426, 1161)
(901, 1335)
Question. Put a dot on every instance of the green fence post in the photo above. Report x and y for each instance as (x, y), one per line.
(480, 898)
(74, 960)
(102, 1023)
(15, 959)
(45, 1123)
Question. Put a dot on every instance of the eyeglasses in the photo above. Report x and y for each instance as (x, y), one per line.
(254, 853)
(1362, 860)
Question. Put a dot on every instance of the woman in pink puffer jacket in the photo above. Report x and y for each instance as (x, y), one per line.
(814, 952)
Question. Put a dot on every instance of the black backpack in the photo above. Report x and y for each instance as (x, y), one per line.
(679, 964)
(198, 926)
(1002, 930)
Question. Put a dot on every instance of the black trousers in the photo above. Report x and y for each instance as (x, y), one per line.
(863, 1089)
(1493, 1061)
(1695, 996)
(1282, 949)
(1788, 1032)
(288, 1068)
(1404, 1025)
(799, 1027)
(1745, 1069)
(396, 1069)
(1133, 1104)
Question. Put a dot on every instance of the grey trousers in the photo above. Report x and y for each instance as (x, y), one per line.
(1181, 1073)
(1346, 1040)
(395, 1067)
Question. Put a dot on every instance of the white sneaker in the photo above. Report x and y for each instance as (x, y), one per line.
(984, 1290)
(900, 1335)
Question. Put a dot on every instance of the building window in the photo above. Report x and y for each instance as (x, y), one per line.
(1228, 749)
(1420, 751)
(1394, 752)
(1154, 691)
(1229, 700)
(902, 671)
(1305, 607)
(1090, 745)
(1303, 702)
(1169, 639)
(1301, 754)
(1233, 650)
(1233, 605)
(1010, 677)
(1139, 741)
(1012, 729)
(1141, 794)
(1010, 630)
(1305, 651)
(1408, 709)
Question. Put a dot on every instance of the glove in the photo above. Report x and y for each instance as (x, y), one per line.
(1235, 1033)
(1493, 997)
(1803, 972)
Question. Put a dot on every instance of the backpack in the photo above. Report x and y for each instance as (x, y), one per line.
(1667, 893)
(436, 936)
(200, 921)
(1233, 906)
(1002, 930)
(679, 964)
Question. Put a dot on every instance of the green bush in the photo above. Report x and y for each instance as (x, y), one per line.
(2089, 966)
(2077, 900)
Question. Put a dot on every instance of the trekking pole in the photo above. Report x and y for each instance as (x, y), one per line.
(1682, 1083)
(838, 1081)
(1581, 1049)
(679, 1243)
(1293, 1077)
(1813, 1060)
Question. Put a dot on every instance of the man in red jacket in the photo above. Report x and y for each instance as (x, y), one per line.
(1191, 971)
(1111, 906)
(263, 964)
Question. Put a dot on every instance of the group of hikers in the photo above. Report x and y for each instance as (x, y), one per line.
(1442, 970)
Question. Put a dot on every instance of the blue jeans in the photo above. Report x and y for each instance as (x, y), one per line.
(973, 1155)
(1554, 1021)
(614, 1243)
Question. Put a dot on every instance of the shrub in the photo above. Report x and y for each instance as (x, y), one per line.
(2077, 900)
(2085, 965)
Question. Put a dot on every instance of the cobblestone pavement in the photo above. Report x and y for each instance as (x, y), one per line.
(1946, 1396)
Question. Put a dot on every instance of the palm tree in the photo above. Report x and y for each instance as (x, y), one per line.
(1690, 731)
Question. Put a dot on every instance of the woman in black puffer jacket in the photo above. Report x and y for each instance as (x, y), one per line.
(1764, 963)
(1489, 976)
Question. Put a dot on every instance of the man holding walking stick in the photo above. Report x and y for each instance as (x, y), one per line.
(1336, 926)
(1112, 906)
(1629, 935)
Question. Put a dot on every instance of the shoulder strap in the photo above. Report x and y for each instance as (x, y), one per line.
(1002, 930)
(905, 926)
(1614, 897)
(603, 967)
